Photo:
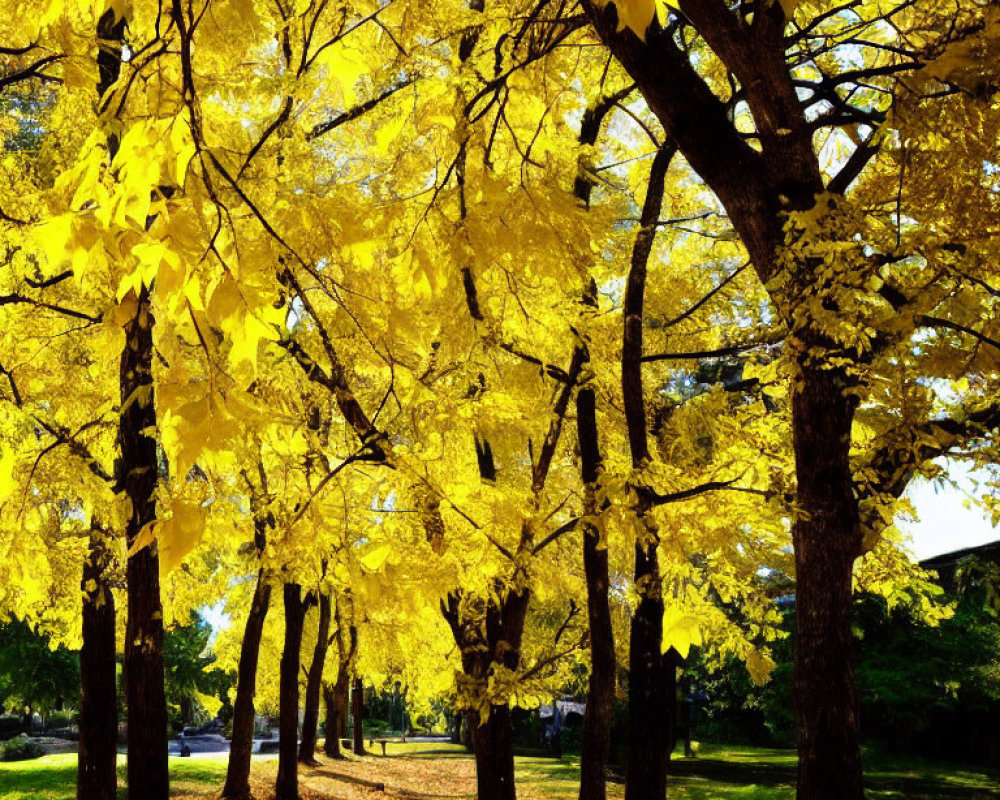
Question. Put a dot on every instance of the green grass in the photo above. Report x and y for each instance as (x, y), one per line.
(719, 773)
(746, 773)
(54, 777)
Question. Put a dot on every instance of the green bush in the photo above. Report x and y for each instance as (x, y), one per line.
(571, 738)
(22, 749)
(60, 719)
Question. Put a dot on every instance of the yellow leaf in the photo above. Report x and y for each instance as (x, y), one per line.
(680, 631)
(181, 533)
(376, 557)
(386, 134)
(183, 146)
(145, 537)
(55, 238)
(759, 666)
(7, 461)
(345, 66)
(638, 14)
(247, 338)
(224, 303)
(788, 6)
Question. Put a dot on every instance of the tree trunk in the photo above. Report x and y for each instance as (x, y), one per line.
(597, 718)
(331, 699)
(503, 627)
(336, 696)
(237, 785)
(827, 539)
(310, 722)
(136, 472)
(648, 704)
(343, 691)
(358, 711)
(465, 729)
(646, 764)
(455, 727)
(96, 776)
(492, 743)
(287, 785)
(148, 778)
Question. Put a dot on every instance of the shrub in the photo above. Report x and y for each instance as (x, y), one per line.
(22, 749)
(60, 719)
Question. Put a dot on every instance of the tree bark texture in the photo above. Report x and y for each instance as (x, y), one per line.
(96, 776)
(310, 721)
(358, 712)
(493, 746)
(136, 475)
(287, 784)
(646, 763)
(597, 718)
(493, 637)
(827, 539)
(148, 778)
(237, 786)
(336, 696)
(596, 740)
(336, 717)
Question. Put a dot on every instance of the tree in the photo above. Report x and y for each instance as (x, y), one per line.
(33, 675)
(762, 183)
(310, 722)
(189, 674)
(337, 278)
(241, 746)
(345, 636)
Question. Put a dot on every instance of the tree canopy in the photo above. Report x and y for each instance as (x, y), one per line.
(316, 299)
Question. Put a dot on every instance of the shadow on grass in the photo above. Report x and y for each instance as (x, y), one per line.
(886, 784)
(24, 781)
(432, 753)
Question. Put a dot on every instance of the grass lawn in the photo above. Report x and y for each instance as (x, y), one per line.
(446, 772)
(54, 777)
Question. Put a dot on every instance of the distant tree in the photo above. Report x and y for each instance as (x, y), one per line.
(189, 673)
(920, 679)
(33, 675)
(920, 684)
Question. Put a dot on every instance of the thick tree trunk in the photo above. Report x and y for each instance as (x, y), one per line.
(465, 729)
(287, 784)
(757, 188)
(597, 718)
(492, 740)
(648, 709)
(331, 743)
(358, 712)
(237, 785)
(343, 691)
(455, 727)
(827, 539)
(310, 721)
(336, 696)
(493, 745)
(148, 778)
(136, 472)
(96, 777)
